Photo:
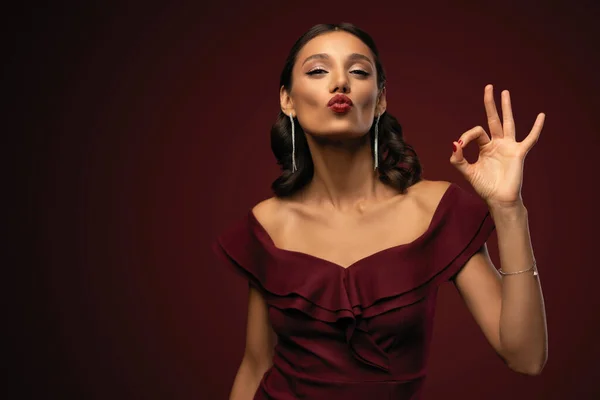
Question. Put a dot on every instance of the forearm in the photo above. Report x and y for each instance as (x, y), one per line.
(523, 334)
(247, 379)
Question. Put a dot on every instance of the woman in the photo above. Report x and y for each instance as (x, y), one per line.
(345, 260)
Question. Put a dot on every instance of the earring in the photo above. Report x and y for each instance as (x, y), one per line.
(375, 143)
(293, 144)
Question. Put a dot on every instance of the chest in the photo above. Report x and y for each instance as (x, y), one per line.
(410, 325)
(345, 241)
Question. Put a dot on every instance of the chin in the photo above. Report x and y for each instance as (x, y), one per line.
(349, 133)
(343, 126)
(348, 127)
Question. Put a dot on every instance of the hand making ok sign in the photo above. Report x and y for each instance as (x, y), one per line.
(497, 175)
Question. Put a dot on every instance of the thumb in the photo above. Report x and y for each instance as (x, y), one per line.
(457, 159)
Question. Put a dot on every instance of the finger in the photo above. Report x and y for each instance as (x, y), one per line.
(476, 134)
(458, 160)
(534, 134)
(492, 113)
(507, 117)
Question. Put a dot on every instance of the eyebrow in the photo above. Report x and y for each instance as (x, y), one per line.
(352, 57)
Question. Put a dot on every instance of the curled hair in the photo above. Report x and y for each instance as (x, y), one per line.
(399, 165)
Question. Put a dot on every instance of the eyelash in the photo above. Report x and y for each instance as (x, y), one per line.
(319, 70)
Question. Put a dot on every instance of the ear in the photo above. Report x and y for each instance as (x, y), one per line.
(285, 101)
(381, 102)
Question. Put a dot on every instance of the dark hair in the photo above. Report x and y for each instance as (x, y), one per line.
(393, 149)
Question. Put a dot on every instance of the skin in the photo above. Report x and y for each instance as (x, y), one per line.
(344, 178)
(345, 213)
(336, 62)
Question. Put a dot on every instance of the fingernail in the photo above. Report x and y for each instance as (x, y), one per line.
(460, 141)
(453, 147)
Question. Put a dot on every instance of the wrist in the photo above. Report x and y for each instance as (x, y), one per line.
(512, 212)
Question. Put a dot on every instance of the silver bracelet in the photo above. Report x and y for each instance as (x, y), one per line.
(533, 267)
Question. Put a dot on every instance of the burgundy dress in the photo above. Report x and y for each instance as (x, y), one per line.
(361, 332)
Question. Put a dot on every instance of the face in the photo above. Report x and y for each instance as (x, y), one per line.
(334, 65)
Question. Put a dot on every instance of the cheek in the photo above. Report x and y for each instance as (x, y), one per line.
(310, 100)
(308, 95)
(366, 96)
(368, 101)
(365, 103)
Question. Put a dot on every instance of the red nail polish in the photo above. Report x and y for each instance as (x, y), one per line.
(453, 147)
(460, 141)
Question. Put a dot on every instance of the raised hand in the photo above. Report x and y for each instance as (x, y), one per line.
(497, 175)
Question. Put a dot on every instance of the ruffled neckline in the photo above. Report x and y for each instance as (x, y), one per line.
(263, 236)
(350, 296)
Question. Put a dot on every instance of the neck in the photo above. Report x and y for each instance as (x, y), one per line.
(344, 179)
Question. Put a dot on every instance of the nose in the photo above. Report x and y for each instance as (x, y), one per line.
(339, 83)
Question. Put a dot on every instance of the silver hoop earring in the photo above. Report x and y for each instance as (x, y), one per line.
(375, 155)
(293, 144)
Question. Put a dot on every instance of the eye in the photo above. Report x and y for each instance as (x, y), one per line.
(360, 72)
(316, 71)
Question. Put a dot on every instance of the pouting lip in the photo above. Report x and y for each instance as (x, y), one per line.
(339, 99)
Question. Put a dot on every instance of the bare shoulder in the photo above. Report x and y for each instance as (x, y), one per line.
(429, 193)
(265, 209)
(268, 212)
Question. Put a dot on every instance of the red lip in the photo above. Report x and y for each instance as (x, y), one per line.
(340, 107)
(340, 99)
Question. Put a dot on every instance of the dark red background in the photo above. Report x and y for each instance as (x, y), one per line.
(140, 132)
